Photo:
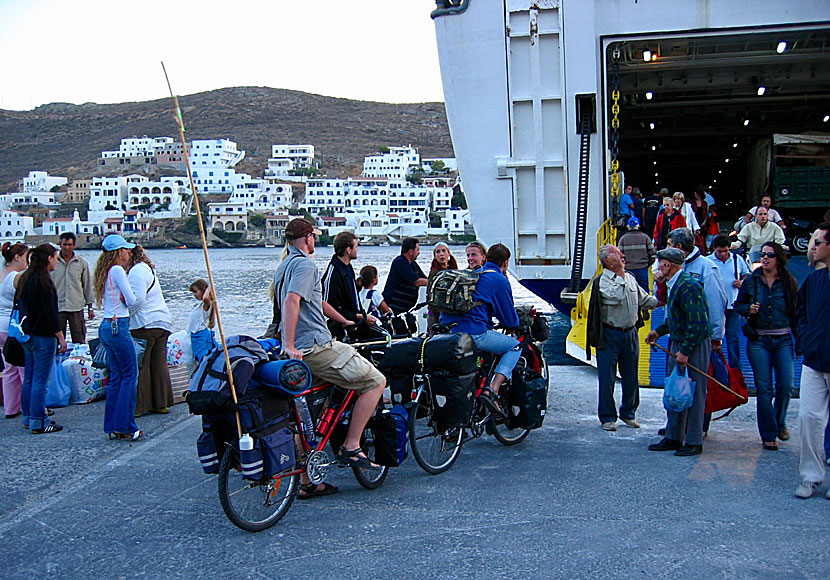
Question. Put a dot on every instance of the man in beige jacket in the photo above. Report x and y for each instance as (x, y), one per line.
(74, 286)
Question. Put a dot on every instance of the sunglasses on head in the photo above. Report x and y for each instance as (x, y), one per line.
(768, 254)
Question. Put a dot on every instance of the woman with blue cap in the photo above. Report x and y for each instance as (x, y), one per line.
(112, 288)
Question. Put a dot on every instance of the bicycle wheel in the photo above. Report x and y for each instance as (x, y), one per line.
(370, 478)
(435, 452)
(253, 505)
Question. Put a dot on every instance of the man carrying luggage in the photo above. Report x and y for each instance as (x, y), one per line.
(494, 298)
(306, 337)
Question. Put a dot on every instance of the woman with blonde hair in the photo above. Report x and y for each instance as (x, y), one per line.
(112, 289)
(15, 257)
(36, 290)
(685, 209)
(150, 320)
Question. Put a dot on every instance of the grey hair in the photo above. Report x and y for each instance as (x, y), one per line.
(668, 199)
(683, 238)
(603, 253)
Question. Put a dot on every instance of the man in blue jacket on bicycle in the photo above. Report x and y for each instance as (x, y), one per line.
(495, 299)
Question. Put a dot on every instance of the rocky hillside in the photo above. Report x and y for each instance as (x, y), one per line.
(66, 139)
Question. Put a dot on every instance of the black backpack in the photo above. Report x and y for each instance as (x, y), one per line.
(209, 391)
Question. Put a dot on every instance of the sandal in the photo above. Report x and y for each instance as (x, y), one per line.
(309, 490)
(355, 459)
(132, 436)
(770, 446)
(489, 398)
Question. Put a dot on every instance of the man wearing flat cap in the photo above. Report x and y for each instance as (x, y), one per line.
(687, 322)
(302, 313)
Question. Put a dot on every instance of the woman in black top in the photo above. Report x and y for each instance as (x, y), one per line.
(36, 291)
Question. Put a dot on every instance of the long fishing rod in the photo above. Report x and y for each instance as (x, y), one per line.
(180, 123)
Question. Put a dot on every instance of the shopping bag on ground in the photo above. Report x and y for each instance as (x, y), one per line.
(679, 392)
(59, 390)
(718, 398)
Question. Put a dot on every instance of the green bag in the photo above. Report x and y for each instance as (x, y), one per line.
(452, 291)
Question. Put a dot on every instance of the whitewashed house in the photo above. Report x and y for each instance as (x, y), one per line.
(163, 199)
(40, 181)
(455, 221)
(260, 195)
(396, 164)
(14, 226)
(301, 156)
(32, 199)
(107, 196)
(323, 193)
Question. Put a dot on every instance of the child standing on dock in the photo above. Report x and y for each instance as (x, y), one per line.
(201, 320)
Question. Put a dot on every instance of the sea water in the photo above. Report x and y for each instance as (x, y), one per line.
(242, 276)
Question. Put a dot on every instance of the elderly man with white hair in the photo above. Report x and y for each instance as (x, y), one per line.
(621, 299)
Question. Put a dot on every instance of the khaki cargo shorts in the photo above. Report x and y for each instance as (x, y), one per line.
(342, 365)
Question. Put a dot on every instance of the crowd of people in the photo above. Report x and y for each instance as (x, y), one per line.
(710, 299)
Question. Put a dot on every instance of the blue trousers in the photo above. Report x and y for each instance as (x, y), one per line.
(621, 349)
(734, 321)
(503, 345)
(641, 275)
(39, 354)
(768, 354)
(119, 413)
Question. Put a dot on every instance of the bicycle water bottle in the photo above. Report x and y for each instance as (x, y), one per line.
(305, 419)
(246, 443)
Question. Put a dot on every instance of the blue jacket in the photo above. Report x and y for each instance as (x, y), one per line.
(773, 301)
(812, 315)
(496, 297)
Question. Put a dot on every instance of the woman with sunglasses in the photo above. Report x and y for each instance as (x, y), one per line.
(767, 300)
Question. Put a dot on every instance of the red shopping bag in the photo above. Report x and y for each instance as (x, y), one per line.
(717, 397)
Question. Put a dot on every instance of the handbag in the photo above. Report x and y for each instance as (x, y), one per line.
(718, 398)
(99, 354)
(13, 352)
(679, 393)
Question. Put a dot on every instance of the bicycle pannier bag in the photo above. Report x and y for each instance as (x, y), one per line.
(251, 462)
(391, 431)
(527, 397)
(206, 448)
(455, 353)
(454, 398)
(277, 451)
(452, 291)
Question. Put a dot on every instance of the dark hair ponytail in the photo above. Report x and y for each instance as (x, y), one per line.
(368, 275)
(10, 250)
(38, 268)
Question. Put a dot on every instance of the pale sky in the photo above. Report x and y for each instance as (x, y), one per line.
(109, 51)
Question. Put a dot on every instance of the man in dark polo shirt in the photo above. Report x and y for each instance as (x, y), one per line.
(405, 276)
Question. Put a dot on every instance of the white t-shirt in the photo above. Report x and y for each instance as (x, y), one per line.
(7, 299)
(370, 300)
(198, 318)
(115, 287)
(149, 310)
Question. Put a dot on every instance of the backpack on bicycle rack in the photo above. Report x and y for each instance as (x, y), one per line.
(452, 291)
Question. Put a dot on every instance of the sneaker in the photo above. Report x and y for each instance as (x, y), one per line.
(806, 489)
(632, 423)
(50, 428)
(609, 426)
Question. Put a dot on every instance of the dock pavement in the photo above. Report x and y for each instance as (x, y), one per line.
(571, 501)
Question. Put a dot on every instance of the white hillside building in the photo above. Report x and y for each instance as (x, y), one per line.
(455, 220)
(280, 168)
(322, 193)
(367, 194)
(161, 199)
(396, 164)
(40, 181)
(302, 156)
(107, 197)
(229, 217)
(138, 147)
(206, 153)
(260, 195)
(14, 226)
(31, 199)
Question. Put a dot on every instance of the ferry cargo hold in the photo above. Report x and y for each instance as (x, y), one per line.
(551, 102)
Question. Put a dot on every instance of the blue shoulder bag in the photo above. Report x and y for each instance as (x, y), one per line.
(18, 322)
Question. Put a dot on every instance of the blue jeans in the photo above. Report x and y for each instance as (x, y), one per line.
(623, 349)
(734, 321)
(39, 354)
(641, 275)
(768, 354)
(119, 413)
(501, 344)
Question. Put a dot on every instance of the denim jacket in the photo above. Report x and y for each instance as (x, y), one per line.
(773, 301)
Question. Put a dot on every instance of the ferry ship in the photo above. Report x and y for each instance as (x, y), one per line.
(554, 105)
